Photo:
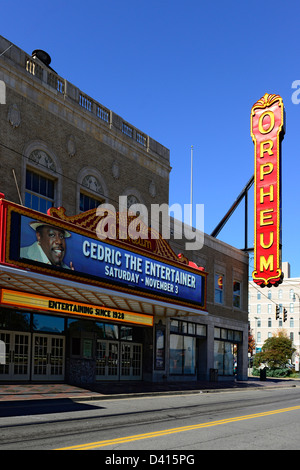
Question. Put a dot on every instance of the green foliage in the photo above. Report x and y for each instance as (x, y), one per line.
(276, 352)
(276, 373)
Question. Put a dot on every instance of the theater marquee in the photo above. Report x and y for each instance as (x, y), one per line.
(50, 304)
(49, 245)
(267, 130)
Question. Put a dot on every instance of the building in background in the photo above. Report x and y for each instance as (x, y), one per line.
(262, 310)
(59, 148)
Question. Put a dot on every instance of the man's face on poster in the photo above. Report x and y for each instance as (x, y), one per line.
(52, 241)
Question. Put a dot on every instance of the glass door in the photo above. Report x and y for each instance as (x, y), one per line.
(107, 360)
(131, 361)
(48, 357)
(17, 352)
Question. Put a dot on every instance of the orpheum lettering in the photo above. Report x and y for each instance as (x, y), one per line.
(267, 130)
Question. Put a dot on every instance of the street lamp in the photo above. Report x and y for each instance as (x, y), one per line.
(297, 362)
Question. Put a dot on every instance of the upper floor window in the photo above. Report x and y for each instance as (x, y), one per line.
(269, 308)
(237, 294)
(41, 181)
(39, 191)
(88, 202)
(258, 308)
(91, 192)
(219, 282)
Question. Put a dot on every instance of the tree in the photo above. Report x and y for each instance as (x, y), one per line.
(251, 341)
(276, 351)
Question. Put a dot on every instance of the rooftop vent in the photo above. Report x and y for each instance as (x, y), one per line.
(42, 56)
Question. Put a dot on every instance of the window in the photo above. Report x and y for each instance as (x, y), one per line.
(280, 294)
(291, 322)
(269, 322)
(39, 191)
(258, 336)
(88, 202)
(269, 295)
(269, 308)
(229, 335)
(219, 282)
(258, 308)
(182, 354)
(236, 294)
(258, 324)
(90, 189)
(292, 294)
(183, 346)
(291, 308)
(47, 323)
(223, 357)
(258, 295)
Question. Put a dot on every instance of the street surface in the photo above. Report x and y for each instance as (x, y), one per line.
(266, 419)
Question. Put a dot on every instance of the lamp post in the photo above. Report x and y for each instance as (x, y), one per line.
(298, 350)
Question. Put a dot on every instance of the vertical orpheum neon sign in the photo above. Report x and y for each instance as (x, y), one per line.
(267, 130)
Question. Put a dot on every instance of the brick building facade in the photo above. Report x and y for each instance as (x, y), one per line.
(61, 148)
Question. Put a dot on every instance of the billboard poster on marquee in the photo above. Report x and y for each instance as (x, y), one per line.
(44, 247)
(267, 131)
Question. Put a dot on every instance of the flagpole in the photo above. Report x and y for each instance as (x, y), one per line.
(191, 205)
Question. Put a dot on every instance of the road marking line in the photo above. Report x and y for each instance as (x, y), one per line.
(149, 435)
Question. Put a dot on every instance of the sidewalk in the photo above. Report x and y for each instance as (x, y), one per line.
(21, 392)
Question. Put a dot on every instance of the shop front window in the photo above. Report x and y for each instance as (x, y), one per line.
(14, 320)
(48, 323)
(223, 357)
(182, 355)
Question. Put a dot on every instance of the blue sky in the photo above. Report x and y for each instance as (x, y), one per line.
(186, 73)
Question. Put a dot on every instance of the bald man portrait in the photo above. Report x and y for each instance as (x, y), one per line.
(50, 246)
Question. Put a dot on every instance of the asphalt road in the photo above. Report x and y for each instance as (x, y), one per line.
(180, 425)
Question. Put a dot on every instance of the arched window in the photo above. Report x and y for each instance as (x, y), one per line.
(91, 189)
(41, 182)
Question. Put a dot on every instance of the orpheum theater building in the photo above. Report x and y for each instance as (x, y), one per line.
(77, 306)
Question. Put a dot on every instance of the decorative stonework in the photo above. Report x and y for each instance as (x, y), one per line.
(39, 157)
(14, 116)
(115, 170)
(152, 189)
(131, 199)
(93, 184)
(71, 146)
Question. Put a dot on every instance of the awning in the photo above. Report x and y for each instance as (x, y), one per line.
(28, 281)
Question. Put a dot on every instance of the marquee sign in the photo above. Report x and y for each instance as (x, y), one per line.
(81, 256)
(267, 129)
(54, 305)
